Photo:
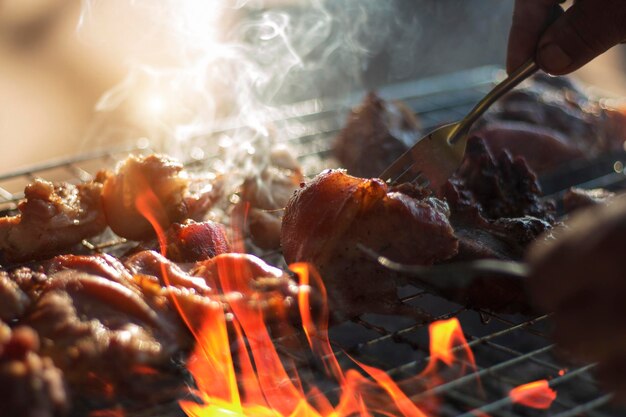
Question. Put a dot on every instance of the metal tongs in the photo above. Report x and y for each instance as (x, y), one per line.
(435, 157)
(460, 275)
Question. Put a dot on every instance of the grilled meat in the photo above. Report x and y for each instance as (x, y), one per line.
(496, 205)
(551, 121)
(327, 220)
(32, 386)
(192, 241)
(492, 209)
(548, 121)
(155, 182)
(55, 217)
(52, 218)
(376, 133)
(578, 198)
(109, 328)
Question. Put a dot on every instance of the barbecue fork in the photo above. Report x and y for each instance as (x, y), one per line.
(435, 157)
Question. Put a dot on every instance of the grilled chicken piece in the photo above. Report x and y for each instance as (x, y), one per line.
(160, 187)
(327, 220)
(376, 133)
(31, 385)
(51, 219)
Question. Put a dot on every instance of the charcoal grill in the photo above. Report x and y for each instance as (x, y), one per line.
(509, 349)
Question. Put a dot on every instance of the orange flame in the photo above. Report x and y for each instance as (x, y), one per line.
(537, 394)
(251, 379)
(262, 386)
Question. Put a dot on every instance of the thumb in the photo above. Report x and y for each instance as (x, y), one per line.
(586, 30)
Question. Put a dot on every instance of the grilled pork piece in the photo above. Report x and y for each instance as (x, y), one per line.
(327, 220)
(192, 241)
(156, 183)
(495, 211)
(31, 384)
(376, 133)
(551, 121)
(52, 218)
(109, 328)
(55, 217)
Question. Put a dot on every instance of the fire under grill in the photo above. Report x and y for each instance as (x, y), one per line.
(509, 350)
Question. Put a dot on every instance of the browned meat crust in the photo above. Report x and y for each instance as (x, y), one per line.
(331, 215)
(157, 181)
(55, 217)
(376, 133)
(495, 211)
(31, 384)
(192, 241)
(52, 218)
(110, 328)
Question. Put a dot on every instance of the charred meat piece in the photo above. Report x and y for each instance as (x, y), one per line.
(157, 184)
(497, 187)
(244, 279)
(52, 218)
(92, 342)
(327, 220)
(55, 217)
(496, 205)
(376, 133)
(31, 384)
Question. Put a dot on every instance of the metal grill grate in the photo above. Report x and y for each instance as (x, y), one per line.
(509, 349)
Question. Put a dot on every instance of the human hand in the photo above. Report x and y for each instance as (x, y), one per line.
(580, 277)
(584, 31)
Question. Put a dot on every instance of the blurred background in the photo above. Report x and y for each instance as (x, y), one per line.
(73, 74)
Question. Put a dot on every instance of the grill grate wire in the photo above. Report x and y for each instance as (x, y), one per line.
(509, 349)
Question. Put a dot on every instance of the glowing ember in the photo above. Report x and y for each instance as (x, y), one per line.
(537, 394)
